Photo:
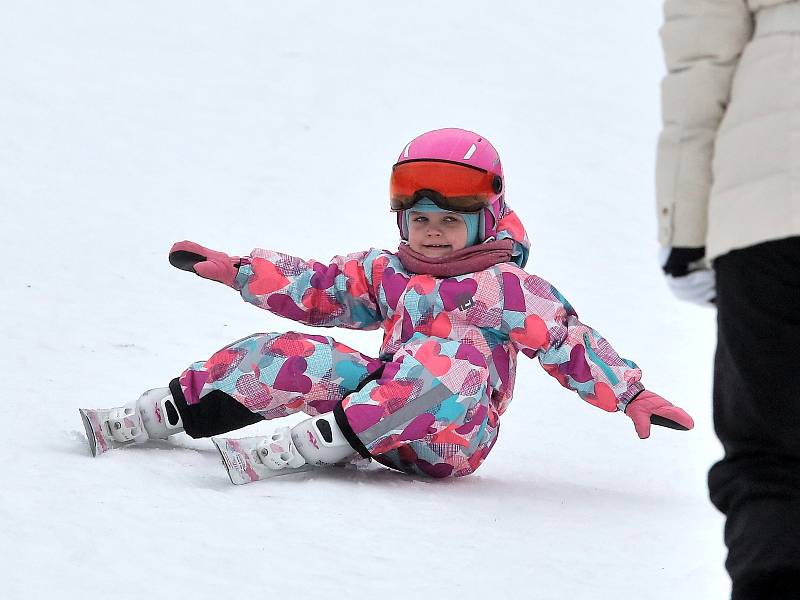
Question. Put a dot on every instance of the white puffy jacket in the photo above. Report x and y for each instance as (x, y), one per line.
(728, 165)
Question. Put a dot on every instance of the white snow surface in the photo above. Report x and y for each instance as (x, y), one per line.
(129, 125)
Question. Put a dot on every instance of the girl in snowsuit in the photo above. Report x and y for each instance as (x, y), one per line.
(456, 307)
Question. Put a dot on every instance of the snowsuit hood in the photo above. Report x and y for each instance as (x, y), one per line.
(510, 227)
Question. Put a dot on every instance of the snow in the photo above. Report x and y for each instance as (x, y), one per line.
(129, 125)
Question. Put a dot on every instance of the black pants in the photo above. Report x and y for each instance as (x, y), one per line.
(757, 417)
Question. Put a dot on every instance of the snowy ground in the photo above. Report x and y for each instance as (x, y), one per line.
(129, 125)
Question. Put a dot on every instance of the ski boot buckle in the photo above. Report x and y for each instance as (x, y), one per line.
(279, 452)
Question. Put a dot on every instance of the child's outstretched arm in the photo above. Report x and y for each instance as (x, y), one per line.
(541, 323)
(338, 294)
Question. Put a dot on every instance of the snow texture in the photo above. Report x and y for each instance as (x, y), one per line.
(129, 125)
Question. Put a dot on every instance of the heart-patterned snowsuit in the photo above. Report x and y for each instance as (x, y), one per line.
(431, 402)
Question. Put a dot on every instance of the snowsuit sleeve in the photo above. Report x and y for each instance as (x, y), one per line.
(541, 323)
(702, 41)
(335, 294)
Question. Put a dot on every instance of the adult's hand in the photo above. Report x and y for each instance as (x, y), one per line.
(687, 276)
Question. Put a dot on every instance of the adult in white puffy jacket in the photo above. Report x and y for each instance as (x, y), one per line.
(728, 202)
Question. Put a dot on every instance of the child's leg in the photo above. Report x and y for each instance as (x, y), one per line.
(260, 377)
(265, 376)
(429, 412)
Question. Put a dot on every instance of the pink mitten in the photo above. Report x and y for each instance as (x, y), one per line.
(649, 408)
(206, 263)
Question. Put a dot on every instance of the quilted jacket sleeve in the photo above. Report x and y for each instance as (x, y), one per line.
(335, 294)
(541, 323)
(702, 42)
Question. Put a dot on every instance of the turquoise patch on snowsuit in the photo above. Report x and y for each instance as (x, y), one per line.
(351, 374)
(450, 409)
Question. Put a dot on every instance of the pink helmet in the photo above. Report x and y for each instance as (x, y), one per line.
(465, 148)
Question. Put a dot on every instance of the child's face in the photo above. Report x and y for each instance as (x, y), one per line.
(436, 234)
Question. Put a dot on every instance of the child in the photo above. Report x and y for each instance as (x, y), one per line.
(456, 307)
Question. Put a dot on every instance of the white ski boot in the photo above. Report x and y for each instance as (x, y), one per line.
(315, 442)
(152, 416)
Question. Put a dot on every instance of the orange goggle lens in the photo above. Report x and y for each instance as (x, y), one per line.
(455, 186)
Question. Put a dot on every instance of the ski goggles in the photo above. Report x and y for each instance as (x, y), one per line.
(451, 186)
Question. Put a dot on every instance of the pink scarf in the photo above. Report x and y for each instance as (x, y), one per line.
(467, 260)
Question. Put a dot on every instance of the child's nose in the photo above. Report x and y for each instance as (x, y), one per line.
(434, 229)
